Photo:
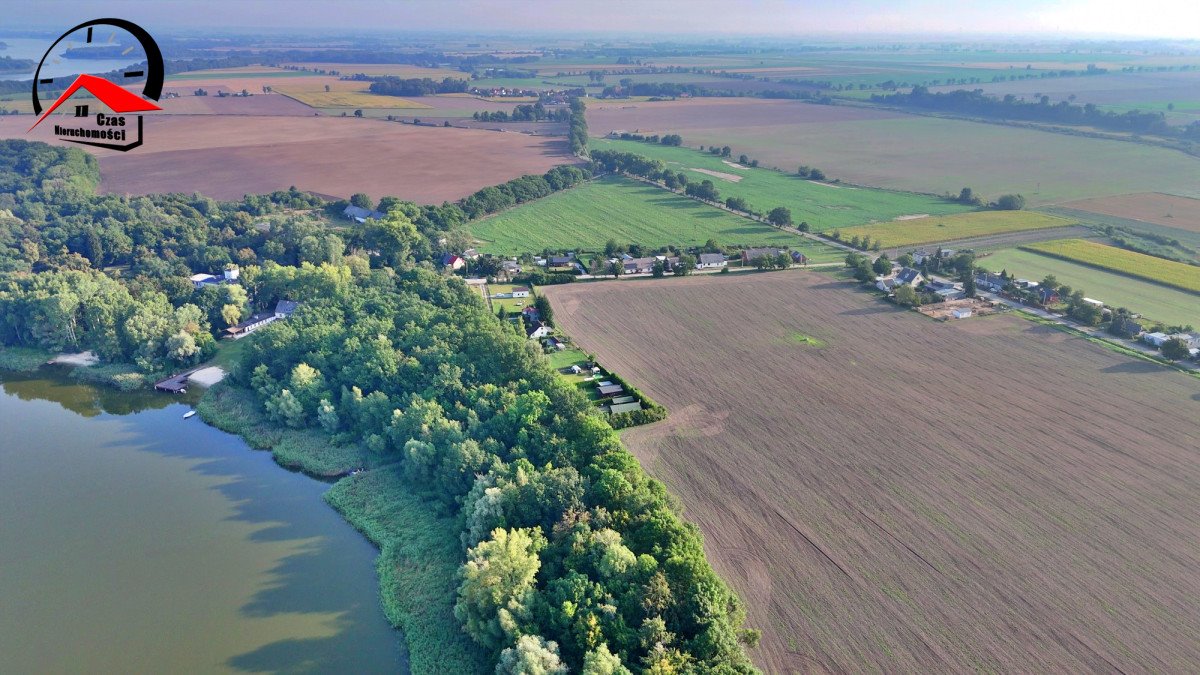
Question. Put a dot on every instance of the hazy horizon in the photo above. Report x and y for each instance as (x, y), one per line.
(1038, 19)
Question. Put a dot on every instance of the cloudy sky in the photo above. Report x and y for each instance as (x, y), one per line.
(1140, 18)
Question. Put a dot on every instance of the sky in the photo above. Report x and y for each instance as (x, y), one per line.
(1178, 19)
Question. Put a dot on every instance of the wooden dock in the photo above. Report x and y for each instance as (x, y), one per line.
(176, 384)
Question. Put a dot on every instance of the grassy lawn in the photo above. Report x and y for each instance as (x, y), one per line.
(1152, 300)
(823, 206)
(627, 212)
(958, 226)
(229, 352)
(513, 305)
(1147, 267)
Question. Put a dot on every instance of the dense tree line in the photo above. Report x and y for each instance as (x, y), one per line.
(578, 133)
(391, 85)
(672, 140)
(573, 554)
(535, 112)
(1010, 107)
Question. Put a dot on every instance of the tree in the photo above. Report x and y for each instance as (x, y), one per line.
(532, 655)
(686, 264)
(726, 151)
(1050, 281)
(496, 579)
(780, 216)
(361, 200)
(544, 310)
(601, 661)
(231, 314)
(803, 226)
(969, 286)
(882, 265)
(358, 113)
(1010, 203)
(803, 171)
(1175, 349)
(816, 174)
(326, 87)
(659, 270)
(907, 295)
(737, 204)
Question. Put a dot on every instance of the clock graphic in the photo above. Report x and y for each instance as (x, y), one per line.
(105, 131)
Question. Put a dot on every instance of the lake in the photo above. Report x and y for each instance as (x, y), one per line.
(56, 66)
(134, 541)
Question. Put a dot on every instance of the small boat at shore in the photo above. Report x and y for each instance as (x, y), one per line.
(188, 414)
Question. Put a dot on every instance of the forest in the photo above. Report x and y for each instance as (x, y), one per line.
(574, 557)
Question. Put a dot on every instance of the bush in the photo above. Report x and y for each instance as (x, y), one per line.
(122, 376)
(23, 359)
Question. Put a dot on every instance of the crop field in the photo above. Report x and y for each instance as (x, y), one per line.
(823, 206)
(889, 493)
(226, 157)
(1151, 207)
(912, 153)
(954, 227)
(627, 212)
(1154, 301)
(1113, 259)
(347, 99)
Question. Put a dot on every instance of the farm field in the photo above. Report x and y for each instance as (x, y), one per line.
(878, 510)
(226, 157)
(347, 99)
(400, 70)
(1130, 263)
(823, 206)
(1151, 207)
(615, 208)
(954, 227)
(913, 153)
(1154, 301)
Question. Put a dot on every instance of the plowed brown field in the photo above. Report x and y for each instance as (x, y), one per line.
(912, 496)
(228, 156)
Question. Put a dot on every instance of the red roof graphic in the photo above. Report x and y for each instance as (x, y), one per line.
(116, 98)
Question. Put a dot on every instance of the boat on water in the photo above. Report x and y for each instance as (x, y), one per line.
(188, 414)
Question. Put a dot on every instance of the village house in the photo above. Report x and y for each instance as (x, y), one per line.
(251, 324)
(1047, 295)
(751, 254)
(536, 330)
(990, 282)
(561, 260)
(638, 265)
(453, 262)
(360, 215)
(470, 254)
(285, 308)
(1156, 339)
(708, 261)
(909, 277)
(624, 407)
(610, 389)
(201, 280)
(520, 292)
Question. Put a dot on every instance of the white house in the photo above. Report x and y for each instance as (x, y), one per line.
(537, 329)
(520, 292)
(961, 313)
(708, 261)
(1156, 339)
(201, 280)
(231, 274)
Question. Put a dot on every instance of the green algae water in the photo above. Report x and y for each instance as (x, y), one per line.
(134, 541)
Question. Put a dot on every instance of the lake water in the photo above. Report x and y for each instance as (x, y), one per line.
(134, 541)
(56, 66)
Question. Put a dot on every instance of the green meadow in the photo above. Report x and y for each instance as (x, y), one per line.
(824, 206)
(627, 212)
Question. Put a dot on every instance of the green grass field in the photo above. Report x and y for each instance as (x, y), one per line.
(823, 206)
(1156, 302)
(926, 154)
(1147, 267)
(957, 226)
(627, 212)
(511, 305)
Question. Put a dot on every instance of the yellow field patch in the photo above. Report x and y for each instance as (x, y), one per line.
(1148, 267)
(959, 226)
(348, 99)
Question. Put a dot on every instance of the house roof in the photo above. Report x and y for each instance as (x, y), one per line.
(286, 307)
(360, 213)
(450, 259)
(908, 275)
(625, 407)
(752, 253)
(711, 258)
(202, 277)
(533, 327)
(610, 389)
